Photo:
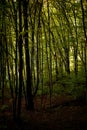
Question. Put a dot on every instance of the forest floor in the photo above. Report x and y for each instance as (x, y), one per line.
(64, 114)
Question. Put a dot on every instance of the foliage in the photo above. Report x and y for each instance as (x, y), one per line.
(44, 49)
(4, 108)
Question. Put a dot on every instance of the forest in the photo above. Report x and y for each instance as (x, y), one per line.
(43, 64)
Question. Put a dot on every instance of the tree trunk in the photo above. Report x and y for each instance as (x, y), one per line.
(20, 60)
(30, 104)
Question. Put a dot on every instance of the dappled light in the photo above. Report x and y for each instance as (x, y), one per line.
(43, 64)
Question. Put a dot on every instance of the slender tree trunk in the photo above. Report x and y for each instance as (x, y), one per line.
(33, 20)
(30, 104)
(20, 60)
(75, 45)
(84, 28)
(16, 62)
(50, 56)
(85, 50)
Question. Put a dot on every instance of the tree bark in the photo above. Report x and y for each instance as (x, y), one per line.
(30, 104)
(20, 60)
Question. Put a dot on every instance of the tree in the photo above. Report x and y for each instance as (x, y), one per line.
(20, 59)
(30, 105)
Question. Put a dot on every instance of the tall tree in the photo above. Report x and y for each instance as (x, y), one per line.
(30, 104)
(85, 35)
(20, 58)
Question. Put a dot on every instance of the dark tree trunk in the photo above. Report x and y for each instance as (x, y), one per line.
(20, 60)
(30, 104)
(16, 60)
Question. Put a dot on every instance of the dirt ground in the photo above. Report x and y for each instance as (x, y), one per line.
(64, 114)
